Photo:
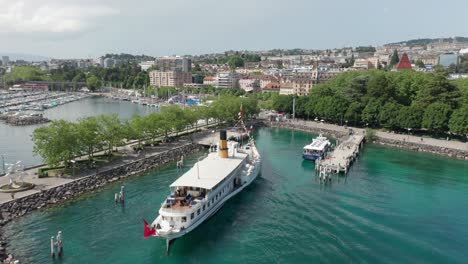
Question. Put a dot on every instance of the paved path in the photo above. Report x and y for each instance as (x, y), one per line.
(128, 155)
(387, 135)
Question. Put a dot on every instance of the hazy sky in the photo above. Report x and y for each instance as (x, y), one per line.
(89, 28)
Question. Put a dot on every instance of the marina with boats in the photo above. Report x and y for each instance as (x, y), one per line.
(26, 108)
(154, 101)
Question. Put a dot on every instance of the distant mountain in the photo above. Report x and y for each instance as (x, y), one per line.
(23, 56)
(426, 41)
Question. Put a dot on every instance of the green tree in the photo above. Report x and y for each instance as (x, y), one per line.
(112, 131)
(420, 64)
(156, 124)
(458, 123)
(283, 103)
(379, 87)
(93, 82)
(438, 89)
(25, 73)
(57, 143)
(371, 111)
(410, 117)
(436, 117)
(235, 62)
(394, 60)
(138, 128)
(89, 137)
(197, 68)
(388, 115)
(353, 113)
(356, 89)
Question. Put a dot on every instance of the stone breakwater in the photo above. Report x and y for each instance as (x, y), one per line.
(337, 134)
(22, 206)
(340, 132)
(452, 153)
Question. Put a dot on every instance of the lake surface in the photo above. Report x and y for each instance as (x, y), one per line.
(393, 207)
(15, 141)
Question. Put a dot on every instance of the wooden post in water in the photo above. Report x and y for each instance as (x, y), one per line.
(121, 194)
(59, 244)
(52, 251)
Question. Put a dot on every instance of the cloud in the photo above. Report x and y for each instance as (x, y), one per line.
(50, 16)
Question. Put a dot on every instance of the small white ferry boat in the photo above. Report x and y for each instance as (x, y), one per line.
(317, 149)
(203, 190)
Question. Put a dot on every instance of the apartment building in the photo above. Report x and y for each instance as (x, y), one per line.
(169, 78)
(250, 85)
(174, 63)
(227, 80)
(209, 80)
(287, 87)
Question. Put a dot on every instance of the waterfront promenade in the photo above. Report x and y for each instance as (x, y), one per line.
(127, 153)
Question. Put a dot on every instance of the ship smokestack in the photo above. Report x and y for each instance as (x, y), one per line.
(223, 148)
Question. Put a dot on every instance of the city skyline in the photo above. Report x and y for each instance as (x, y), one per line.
(86, 29)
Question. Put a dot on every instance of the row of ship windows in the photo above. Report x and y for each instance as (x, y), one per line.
(212, 201)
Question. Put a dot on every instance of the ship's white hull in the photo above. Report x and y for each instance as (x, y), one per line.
(212, 211)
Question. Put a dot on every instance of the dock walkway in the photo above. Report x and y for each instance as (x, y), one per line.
(340, 159)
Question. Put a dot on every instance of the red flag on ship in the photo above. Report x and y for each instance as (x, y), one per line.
(147, 232)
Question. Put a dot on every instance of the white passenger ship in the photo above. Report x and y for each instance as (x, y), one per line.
(204, 189)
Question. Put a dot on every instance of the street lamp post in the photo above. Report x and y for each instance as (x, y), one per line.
(3, 162)
(73, 168)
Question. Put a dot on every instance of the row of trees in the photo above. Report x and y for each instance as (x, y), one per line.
(404, 100)
(165, 92)
(62, 141)
(127, 75)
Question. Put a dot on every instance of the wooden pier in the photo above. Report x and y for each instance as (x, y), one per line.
(341, 158)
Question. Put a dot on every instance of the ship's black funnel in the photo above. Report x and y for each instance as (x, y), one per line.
(222, 135)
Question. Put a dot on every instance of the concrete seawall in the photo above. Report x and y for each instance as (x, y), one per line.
(21, 206)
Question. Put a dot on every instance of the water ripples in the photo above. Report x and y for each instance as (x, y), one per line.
(387, 210)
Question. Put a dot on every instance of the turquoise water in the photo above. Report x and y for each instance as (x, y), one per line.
(394, 207)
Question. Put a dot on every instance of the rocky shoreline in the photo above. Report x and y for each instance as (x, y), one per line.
(452, 153)
(441, 151)
(56, 195)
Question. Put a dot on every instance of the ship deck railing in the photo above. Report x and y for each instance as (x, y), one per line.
(180, 204)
